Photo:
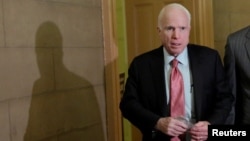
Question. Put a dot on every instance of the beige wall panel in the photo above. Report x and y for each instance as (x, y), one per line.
(57, 114)
(78, 27)
(143, 17)
(239, 20)
(81, 2)
(229, 16)
(220, 47)
(222, 26)
(4, 121)
(52, 70)
(86, 63)
(1, 26)
(218, 4)
(100, 96)
(239, 6)
(19, 115)
(19, 71)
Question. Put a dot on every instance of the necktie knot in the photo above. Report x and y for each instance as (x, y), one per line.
(174, 63)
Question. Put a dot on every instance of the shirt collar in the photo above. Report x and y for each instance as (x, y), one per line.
(182, 57)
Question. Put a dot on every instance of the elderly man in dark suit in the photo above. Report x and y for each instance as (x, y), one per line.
(237, 65)
(146, 100)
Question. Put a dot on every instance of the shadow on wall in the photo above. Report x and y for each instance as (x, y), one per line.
(63, 105)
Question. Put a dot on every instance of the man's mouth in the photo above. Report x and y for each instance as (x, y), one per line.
(175, 44)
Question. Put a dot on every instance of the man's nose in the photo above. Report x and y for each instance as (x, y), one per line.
(176, 33)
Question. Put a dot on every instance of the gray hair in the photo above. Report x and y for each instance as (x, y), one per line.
(171, 6)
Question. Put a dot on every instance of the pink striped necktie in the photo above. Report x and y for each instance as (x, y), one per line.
(177, 102)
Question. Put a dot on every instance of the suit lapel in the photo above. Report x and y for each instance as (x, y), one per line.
(195, 67)
(247, 45)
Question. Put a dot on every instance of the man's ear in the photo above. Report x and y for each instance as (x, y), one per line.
(158, 29)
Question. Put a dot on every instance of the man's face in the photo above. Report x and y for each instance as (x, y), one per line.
(174, 31)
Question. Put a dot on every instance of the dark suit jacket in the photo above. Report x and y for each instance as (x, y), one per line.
(144, 99)
(237, 65)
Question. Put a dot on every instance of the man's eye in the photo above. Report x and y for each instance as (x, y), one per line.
(183, 28)
(169, 28)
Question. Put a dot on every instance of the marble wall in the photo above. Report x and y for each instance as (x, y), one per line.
(52, 71)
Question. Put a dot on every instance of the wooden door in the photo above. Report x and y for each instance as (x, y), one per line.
(141, 17)
(141, 23)
(142, 35)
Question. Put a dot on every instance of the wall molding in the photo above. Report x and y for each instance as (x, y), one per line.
(203, 26)
(112, 86)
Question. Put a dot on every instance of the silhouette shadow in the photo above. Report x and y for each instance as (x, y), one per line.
(63, 105)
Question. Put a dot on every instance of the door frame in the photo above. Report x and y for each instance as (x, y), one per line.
(112, 85)
(204, 34)
(203, 26)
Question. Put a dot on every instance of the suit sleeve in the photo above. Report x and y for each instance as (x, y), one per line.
(229, 65)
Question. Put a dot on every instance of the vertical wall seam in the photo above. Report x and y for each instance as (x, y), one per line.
(9, 120)
(4, 45)
(3, 23)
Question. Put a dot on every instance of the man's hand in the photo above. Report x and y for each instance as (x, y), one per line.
(199, 132)
(171, 126)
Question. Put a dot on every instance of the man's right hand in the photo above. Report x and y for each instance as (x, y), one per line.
(171, 126)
